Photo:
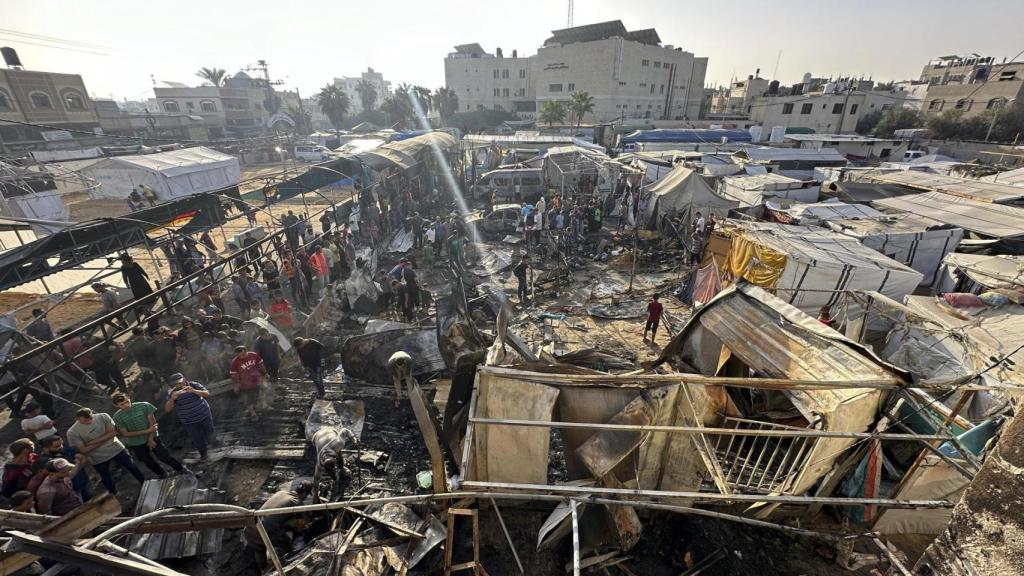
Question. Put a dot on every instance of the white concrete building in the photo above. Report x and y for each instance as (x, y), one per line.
(350, 83)
(237, 108)
(834, 110)
(735, 98)
(853, 146)
(629, 74)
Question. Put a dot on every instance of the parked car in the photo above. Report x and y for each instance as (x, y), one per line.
(311, 153)
(505, 182)
(500, 221)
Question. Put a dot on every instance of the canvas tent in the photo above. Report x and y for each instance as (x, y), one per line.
(976, 273)
(915, 241)
(755, 189)
(809, 268)
(819, 212)
(994, 192)
(171, 175)
(683, 193)
(985, 219)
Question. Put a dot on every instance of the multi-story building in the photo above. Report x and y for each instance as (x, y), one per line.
(629, 75)
(238, 108)
(971, 84)
(45, 111)
(116, 121)
(835, 109)
(734, 99)
(350, 84)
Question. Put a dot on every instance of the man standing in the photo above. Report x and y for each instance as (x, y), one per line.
(404, 300)
(37, 423)
(291, 232)
(269, 351)
(409, 277)
(135, 278)
(95, 436)
(53, 447)
(240, 292)
(194, 413)
(55, 495)
(325, 221)
(148, 193)
(311, 354)
(520, 272)
(18, 470)
(136, 425)
(654, 312)
(247, 375)
(39, 328)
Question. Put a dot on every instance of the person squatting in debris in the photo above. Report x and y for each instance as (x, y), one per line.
(283, 530)
(400, 366)
(311, 355)
(94, 435)
(654, 311)
(137, 427)
(247, 373)
(189, 399)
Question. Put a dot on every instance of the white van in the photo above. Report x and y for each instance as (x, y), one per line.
(504, 183)
(311, 153)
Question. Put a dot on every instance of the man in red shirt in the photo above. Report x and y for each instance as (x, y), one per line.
(654, 310)
(247, 372)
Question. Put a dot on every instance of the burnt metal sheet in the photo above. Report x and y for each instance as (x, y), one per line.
(365, 357)
(177, 490)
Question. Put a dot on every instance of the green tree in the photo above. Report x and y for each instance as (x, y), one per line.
(552, 112)
(581, 103)
(423, 97)
(866, 123)
(446, 102)
(333, 102)
(272, 103)
(895, 119)
(215, 76)
(398, 108)
(300, 119)
(367, 94)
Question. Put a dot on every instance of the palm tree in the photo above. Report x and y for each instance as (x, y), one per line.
(399, 108)
(581, 103)
(367, 94)
(300, 118)
(333, 102)
(423, 95)
(446, 102)
(552, 112)
(215, 76)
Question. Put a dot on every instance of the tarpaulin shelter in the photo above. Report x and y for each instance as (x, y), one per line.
(985, 219)
(809, 268)
(862, 192)
(406, 153)
(755, 189)
(686, 135)
(817, 213)
(917, 242)
(171, 175)
(982, 191)
(976, 273)
(683, 193)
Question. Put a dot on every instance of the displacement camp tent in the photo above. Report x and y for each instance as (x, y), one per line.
(810, 268)
(171, 175)
(976, 273)
(915, 241)
(984, 219)
(755, 189)
(683, 193)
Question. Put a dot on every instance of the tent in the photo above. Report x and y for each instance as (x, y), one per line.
(810, 268)
(682, 193)
(817, 213)
(984, 219)
(171, 174)
(977, 273)
(917, 242)
(755, 189)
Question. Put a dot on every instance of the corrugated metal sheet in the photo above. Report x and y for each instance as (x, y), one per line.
(985, 218)
(176, 491)
(965, 188)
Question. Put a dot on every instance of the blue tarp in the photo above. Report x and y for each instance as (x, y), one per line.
(686, 135)
(406, 134)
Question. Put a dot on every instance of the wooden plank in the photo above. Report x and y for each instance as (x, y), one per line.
(66, 529)
(95, 561)
(603, 451)
(427, 422)
(467, 440)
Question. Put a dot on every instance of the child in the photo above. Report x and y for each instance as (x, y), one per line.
(654, 311)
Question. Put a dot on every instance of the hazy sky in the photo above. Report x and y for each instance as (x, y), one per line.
(309, 43)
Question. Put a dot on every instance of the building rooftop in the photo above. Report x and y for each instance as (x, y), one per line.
(835, 138)
(602, 31)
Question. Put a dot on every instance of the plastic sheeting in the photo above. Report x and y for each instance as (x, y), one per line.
(754, 190)
(697, 135)
(683, 193)
(171, 174)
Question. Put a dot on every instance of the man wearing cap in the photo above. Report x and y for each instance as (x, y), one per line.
(136, 425)
(281, 528)
(189, 398)
(247, 373)
(56, 495)
(95, 436)
(53, 447)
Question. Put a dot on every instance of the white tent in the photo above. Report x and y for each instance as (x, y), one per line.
(755, 189)
(683, 192)
(915, 241)
(816, 214)
(170, 174)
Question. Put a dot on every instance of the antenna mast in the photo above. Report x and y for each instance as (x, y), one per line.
(569, 25)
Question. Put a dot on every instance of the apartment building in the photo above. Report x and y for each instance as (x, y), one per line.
(734, 99)
(350, 85)
(629, 75)
(971, 84)
(59, 101)
(238, 108)
(834, 109)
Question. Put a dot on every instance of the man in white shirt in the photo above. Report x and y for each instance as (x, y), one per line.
(36, 422)
(95, 436)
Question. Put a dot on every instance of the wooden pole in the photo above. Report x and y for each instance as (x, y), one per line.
(271, 551)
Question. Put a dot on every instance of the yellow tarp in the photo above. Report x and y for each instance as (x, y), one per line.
(757, 264)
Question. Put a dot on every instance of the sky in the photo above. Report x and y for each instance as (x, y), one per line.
(119, 45)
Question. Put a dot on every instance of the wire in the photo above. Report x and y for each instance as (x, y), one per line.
(51, 38)
(151, 138)
(68, 48)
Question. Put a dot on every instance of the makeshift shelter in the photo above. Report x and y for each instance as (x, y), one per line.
(861, 192)
(171, 175)
(977, 273)
(818, 213)
(1011, 177)
(683, 193)
(407, 153)
(792, 158)
(755, 189)
(565, 166)
(981, 191)
(907, 238)
(983, 219)
(810, 268)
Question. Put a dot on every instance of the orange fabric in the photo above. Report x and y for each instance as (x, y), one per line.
(281, 314)
(319, 263)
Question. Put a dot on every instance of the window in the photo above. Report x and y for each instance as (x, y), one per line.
(657, 64)
(963, 104)
(73, 100)
(1007, 75)
(661, 89)
(645, 62)
(652, 88)
(886, 152)
(806, 108)
(522, 73)
(504, 92)
(171, 106)
(935, 105)
(643, 84)
(208, 106)
(787, 108)
(837, 108)
(41, 100)
(572, 86)
(554, 87)
(853, 109)
(995, 104)
(480, 107)
(497, 91)
(5, 101)
(504, 73)
(495, 72)
(530, 181)
(622, 83)
(498, 107)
